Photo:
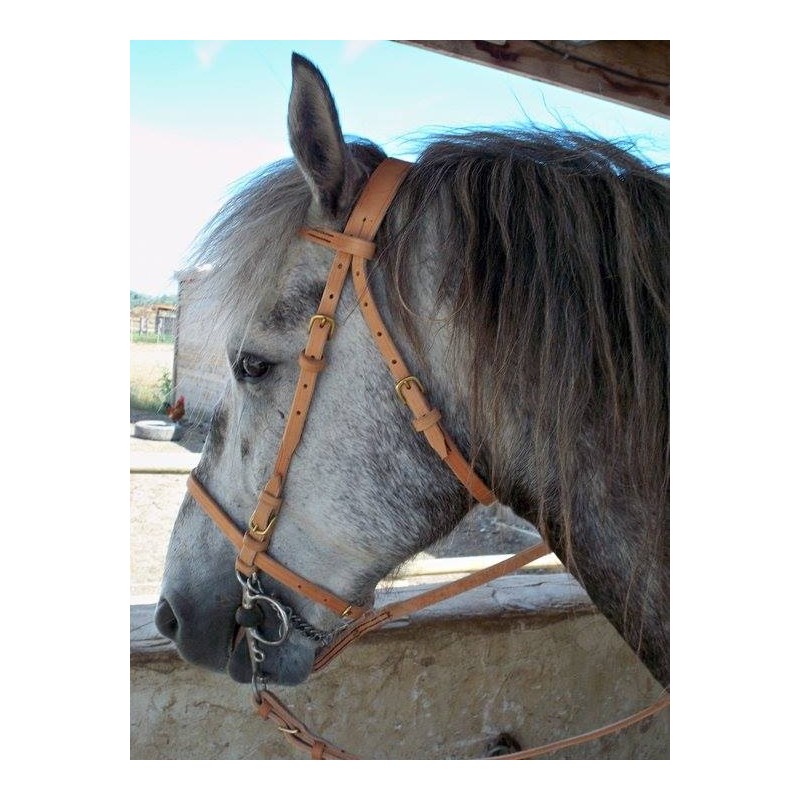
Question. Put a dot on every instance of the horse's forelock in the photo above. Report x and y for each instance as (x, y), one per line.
(246, 240)
(240, 247)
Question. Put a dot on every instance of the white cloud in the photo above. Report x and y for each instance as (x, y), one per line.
(354, 48)
(208, 51)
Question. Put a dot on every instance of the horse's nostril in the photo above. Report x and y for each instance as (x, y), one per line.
(165, 619)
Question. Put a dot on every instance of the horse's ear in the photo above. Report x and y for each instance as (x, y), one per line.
(316, 137)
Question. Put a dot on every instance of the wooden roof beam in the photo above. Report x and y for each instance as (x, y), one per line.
(633, 73)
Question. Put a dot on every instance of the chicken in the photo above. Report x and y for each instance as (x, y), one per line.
(177, 411)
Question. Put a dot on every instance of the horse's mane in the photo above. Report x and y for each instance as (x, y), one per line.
(553, 252)
(553, 255)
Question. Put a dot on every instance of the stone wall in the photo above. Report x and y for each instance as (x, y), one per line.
(529, 656)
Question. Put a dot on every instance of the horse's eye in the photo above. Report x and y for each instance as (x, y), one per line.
(250, 368)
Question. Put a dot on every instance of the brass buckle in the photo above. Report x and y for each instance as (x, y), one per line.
(257, 533)
(404, 384)
(322, 320)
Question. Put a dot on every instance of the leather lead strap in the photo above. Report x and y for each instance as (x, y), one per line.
(269, 707)
(375, 618)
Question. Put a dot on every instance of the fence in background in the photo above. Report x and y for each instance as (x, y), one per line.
(154, 324)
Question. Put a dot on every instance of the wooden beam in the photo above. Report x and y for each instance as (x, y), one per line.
(633, 73)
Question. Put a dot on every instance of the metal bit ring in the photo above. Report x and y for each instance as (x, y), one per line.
(252, 592)
(283, 621)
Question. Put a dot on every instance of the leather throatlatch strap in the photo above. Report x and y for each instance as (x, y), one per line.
(426, 420)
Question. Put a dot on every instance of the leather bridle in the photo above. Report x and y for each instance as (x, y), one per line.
(353, 248)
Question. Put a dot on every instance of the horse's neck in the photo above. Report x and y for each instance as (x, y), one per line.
(612, 545)
(623, 566)
(608, 541)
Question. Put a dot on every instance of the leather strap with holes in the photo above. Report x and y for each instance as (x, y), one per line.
(270, 708)
(261, 561)
(427, 420)
(375, 618)
(352, 248)
(354, 242)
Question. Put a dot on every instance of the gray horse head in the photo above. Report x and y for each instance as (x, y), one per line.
(524, 277)
(364, 492)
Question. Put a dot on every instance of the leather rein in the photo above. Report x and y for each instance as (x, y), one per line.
(353, 248)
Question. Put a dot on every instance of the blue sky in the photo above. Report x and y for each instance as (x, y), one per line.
(205, 113)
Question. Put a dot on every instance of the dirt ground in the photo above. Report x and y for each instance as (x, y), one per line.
(156, 498)
(149, 360)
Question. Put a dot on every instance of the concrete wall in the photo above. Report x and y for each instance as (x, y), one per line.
(529, 656)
